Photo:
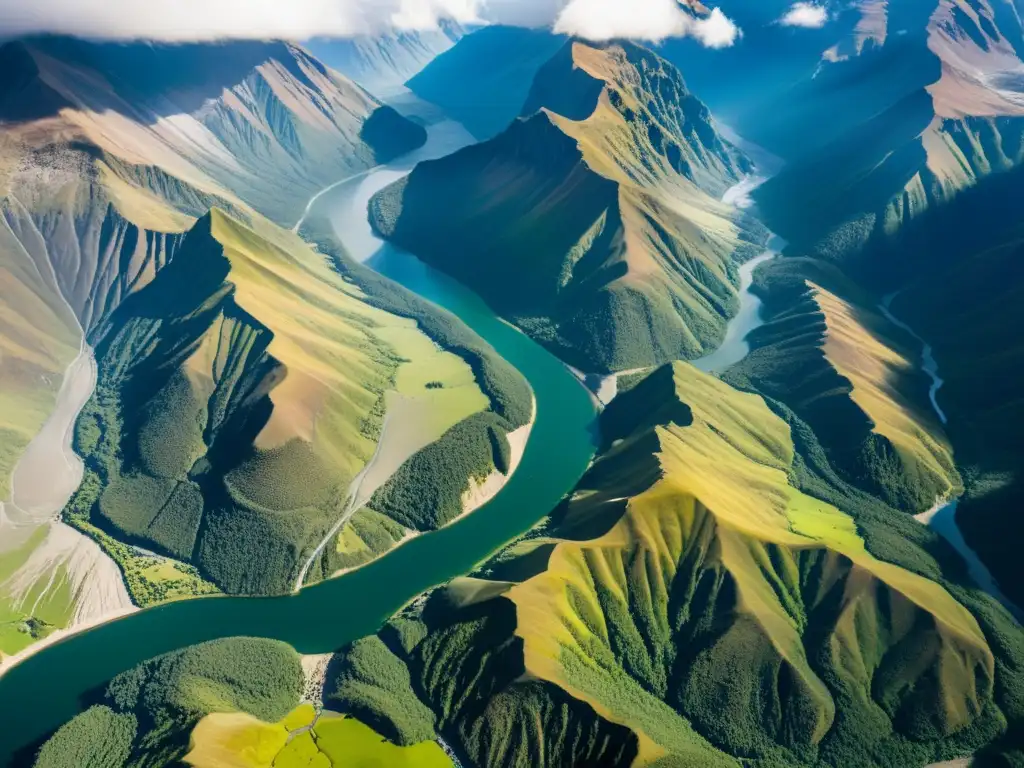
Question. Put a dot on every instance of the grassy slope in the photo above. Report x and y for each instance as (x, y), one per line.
(240, 394)
(95, 198)
(854, 378)
(695, 603)
(31, 618)
(612, 247)
(224, 740)
(723, 530)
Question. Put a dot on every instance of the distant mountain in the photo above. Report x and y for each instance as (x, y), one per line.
(383, 63)
(483, 81)
(594, 220)
(909, 104)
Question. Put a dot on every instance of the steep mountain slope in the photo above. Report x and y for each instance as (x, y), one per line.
(696, 607)
(109, 152)
(909, 123)
(383, 63)
(483, 81)
(593, 222)
(970, 310)
(242, 387)
(853, 377)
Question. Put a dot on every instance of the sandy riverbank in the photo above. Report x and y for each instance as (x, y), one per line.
(479, 493)
(65, 562)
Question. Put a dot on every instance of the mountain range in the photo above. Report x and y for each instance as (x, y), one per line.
(149, 196)
(599, 206)
(806, 557)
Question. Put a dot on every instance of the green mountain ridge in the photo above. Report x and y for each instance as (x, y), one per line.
(600, 208)
(853, 377)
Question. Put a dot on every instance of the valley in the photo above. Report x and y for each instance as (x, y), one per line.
(445, 397)
(321, 618)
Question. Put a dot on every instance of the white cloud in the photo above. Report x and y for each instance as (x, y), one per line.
(808, 15)
(653, 20)
(219, 19)
(179, 20)
(717, 30)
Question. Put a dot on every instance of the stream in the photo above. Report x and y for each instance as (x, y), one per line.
(942, 517)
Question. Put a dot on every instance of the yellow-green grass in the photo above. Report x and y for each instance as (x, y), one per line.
(720, 485)
(434, 391)
(48, 599)
(873, 367)
(301, 740)
(235, 740)
(349, 542)
(339, 351)
(457, 397)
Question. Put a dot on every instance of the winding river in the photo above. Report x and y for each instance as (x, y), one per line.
(46, 689)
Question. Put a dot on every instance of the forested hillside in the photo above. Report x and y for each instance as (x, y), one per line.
(593, 222)
(698, 601)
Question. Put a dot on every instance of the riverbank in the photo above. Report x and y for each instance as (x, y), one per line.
(482, 492)
(478, 494)
(65, 576)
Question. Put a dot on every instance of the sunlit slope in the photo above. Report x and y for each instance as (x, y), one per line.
(752, 609)
(304, 738)
(109, 152)
(833, 358)
(240, 394)
(592, 222)
(688, 605)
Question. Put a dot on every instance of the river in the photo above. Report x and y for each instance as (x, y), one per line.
(45, 690)
(735, 346)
